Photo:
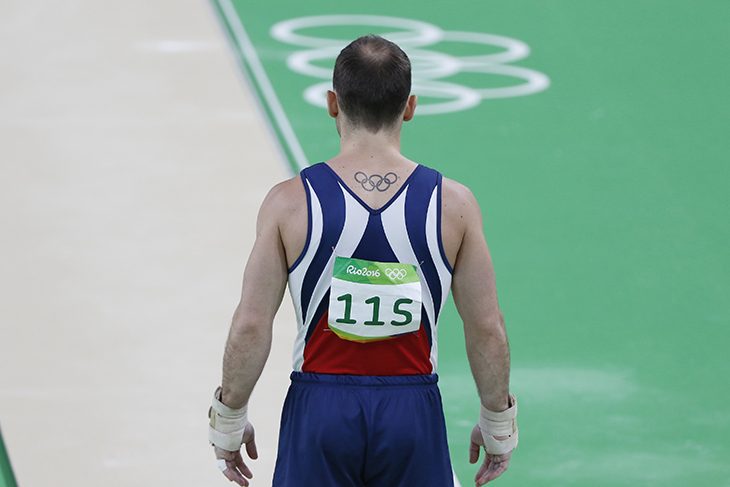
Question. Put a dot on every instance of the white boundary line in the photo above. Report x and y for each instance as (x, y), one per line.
(257, 69)
(249, 52)
(456, 479)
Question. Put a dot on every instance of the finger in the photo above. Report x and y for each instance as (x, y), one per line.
(251, 449)
(232, 474)
(495, 470)
(243, 467)
(479, 477)
(229, 469)
(473, 452)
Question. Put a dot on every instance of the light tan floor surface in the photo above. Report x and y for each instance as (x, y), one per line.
(133, 163)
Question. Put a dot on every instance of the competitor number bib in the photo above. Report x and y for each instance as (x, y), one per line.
(373, 300)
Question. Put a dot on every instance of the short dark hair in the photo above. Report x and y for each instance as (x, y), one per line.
(372, 80)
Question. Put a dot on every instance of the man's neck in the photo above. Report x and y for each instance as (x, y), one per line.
(361, 144)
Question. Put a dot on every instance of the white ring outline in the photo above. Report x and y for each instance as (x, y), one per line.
(514, 49)
(285, 31)
(446, 64)
(464, 97)
(535, 81)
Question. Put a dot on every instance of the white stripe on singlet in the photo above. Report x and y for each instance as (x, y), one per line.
(394, 225)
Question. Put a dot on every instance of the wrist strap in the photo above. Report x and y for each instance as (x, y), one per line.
(503, 423)
(226, 424)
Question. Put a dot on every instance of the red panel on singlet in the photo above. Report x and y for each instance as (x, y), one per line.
(326, 353)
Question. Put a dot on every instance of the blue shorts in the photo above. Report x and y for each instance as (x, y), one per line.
(363, 431)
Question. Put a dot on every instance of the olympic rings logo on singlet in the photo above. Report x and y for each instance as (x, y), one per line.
(376, 181)
(372, 301)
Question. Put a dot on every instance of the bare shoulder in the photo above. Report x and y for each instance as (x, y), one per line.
(285, 207)
(282, 200)
(285, 195)
(460, 211)
(458, 202)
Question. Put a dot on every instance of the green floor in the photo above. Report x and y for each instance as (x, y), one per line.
(607, 209)
(7, 479)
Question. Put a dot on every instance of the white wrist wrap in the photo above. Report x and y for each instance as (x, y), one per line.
(226, 424)
(503, 423)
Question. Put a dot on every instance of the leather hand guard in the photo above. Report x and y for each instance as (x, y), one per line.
(226, 424)
(503, 423)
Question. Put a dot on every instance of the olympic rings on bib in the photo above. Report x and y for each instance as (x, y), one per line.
(395, 273)
(376, 181)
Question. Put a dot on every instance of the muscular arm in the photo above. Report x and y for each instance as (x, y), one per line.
(475, 296)
(264, 281)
